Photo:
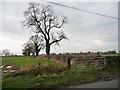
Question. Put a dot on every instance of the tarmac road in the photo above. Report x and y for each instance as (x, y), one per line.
(101, 84)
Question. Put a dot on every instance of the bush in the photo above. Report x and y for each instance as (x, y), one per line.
(112, 61)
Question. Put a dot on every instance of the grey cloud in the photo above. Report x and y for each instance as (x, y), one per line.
(83, 29)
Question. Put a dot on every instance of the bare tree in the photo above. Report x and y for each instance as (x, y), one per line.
(37, 43)
(28, 49)
(41, 19)
(6, 52)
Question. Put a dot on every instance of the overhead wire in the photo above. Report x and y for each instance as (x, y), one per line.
(83, 10)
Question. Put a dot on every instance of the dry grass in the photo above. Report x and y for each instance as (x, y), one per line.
(38, 69)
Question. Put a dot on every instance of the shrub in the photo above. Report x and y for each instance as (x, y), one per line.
(112, 61)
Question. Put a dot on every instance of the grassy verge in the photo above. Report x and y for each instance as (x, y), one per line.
(66, 78)
(48, 80)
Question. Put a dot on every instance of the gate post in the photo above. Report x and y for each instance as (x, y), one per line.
(69, 65)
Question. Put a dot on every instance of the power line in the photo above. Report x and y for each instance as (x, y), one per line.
(84, 10)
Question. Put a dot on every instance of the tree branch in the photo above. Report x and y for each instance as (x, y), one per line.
(64, 20)
(56, 41)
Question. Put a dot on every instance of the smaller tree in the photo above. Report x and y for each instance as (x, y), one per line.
(38, 43)
(6, 52)
(113, 52)
(33, 46)
(89, 52)
(98, 52)
(28, 49)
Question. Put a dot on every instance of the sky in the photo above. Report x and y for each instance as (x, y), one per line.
(86, 32)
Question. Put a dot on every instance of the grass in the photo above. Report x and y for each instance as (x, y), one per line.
(49, 80)
(41, 81)
(109, 54)
(66, 78)
(34, 66)
(18, 61)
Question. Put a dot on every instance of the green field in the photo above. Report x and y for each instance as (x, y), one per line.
(49, 74)
(18, 61)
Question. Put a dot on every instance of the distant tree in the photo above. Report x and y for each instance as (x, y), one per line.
(6, 52)
(12, 54)
(81, 53)
(41, 19)
(89, 52)
(113, 52)
(37, 43)
(28, 49)
(98, 52)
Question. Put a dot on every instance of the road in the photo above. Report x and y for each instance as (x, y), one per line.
(100, 84)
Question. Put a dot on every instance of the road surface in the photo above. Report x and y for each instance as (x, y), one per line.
(100, 84)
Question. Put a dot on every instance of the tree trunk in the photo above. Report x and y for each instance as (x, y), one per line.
(36, 49)
(28, 54)
(37, 53)
(48, 50)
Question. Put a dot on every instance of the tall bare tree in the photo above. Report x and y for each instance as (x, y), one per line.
(41, 19)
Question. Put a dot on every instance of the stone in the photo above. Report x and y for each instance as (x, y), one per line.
(1, 67)
(12, 71)
(5, 71)
(8, 67)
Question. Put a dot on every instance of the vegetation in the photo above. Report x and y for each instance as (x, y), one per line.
(50, 74)
(6, 52)
(33, 46)
(36, 72)
(28, 49)
(109, 54)
(38, 44)
(47, 81)
(17, 62)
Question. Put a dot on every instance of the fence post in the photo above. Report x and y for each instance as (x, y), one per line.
(69, 63)
(105, 62)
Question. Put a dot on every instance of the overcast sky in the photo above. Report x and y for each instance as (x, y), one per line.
(86, 32)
